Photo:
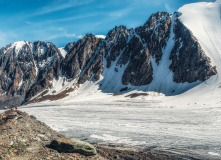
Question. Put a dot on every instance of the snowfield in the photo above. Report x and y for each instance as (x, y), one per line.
(188, 124)
(193, 130)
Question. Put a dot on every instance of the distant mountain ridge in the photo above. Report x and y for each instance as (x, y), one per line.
(162, 55)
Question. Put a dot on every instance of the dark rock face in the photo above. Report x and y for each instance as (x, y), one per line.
(116, 41)
(84, 59)
(80, 56)
(155, 33)
(135, 46)
(49, 65)
(49, 62)
(94, 67)
(27, 69)
(125, 46)
(69, 46)
(139, 70)
(189, 62)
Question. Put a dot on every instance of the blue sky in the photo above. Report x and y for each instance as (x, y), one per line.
(64, 21)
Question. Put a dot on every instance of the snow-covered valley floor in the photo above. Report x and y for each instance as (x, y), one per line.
(193, 130)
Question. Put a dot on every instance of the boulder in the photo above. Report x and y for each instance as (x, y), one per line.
(73, 145)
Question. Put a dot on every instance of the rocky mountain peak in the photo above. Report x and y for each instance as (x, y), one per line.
(79, 56)
(116, 32)
(16, 48)
(126, 57)
(155, 19)
(19, 44)
(88, 35)
(22, 64)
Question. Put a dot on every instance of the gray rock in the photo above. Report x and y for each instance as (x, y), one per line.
(43, 137)
(72, 145)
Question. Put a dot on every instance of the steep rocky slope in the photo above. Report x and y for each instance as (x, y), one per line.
(162, 55)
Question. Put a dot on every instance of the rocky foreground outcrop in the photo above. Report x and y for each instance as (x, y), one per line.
(24, 137)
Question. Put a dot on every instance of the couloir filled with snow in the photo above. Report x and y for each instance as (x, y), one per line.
(188, 124)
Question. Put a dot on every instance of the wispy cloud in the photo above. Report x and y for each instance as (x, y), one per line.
(120, 13)
(67, 19)
(60, 29)
(28, 22)
(80, 36)
(52, 37)
(67, 35)
(60, 5)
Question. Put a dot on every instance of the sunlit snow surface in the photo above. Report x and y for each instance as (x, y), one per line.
(63, 51)
(100, 36)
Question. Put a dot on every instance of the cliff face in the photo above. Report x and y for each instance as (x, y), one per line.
(83, 59)
(133, 55)
(25, 65)
(189, 61)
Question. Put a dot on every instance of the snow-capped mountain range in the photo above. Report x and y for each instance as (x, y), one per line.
(169, 54)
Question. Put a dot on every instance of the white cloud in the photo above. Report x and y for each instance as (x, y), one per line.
(52, 37)
(80, 36)
(28, 22)
(59, 36)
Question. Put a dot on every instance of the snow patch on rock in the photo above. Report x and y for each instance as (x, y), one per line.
(63, 51)
(100, 36)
